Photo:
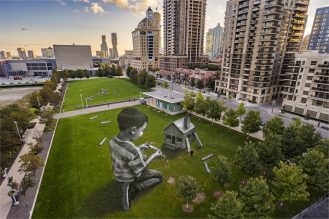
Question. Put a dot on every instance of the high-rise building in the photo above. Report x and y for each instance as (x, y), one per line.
(319, 39)
(214, 41)
(111, 53)
(184, 26)
(304, 44)
(146, 42)
(311, 93)
(47, 52)
(3, 55)
(21, 53)
(8, 55)
(115, 45)
(261, 38)
(104, 47)
(30, 54)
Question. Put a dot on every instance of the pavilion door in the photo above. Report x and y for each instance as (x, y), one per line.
(173, 140)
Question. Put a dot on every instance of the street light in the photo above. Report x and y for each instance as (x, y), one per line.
(19, 134)
(81, 101)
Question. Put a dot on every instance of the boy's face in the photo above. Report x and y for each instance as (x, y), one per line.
(138, 132)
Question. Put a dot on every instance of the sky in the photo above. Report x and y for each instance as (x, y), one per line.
(36, 24)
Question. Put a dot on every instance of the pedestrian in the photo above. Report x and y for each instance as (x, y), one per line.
(319, 124)
(191, 153)
(5, 173)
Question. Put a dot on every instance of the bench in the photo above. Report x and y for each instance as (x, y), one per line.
(207, 157)
(104, 139)
(206, 167)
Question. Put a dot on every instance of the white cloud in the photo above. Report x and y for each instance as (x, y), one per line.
(83, 1)
(86, 9)
(119, 3)
(97, 9)
(136, 6)
(61, 2)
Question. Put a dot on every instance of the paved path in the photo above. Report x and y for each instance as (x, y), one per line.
(6, 202)
(96, 109)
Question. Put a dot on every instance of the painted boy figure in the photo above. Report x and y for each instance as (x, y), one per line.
(129, 164)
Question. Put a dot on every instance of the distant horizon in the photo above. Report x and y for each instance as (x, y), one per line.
(82, 22)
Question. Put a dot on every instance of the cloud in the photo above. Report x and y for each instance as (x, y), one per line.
(97, 9)
(136, 6)
(83, 1)
(119, 3)
(61, 2)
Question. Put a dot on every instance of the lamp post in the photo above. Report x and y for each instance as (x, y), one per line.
(81, 101)
(19, 134)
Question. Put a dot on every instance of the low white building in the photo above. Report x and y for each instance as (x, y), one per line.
(73, 57)
(311, 94)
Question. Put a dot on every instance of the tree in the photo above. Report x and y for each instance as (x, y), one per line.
(30, 163)
(79, 73)
(199, 84)
(65, 75)
(165, 85)
(188, 102)
(289, 182)
(134, 75)
(247, 158)
(52, 85)
(119, 71)
(188, 187)
(36, 100)
(199, 106)
(323, 146)
(150, 81)
(26, 183)
(241, 110)
(55, 77)
(227, 206)
(256, 198)
(128, 71)
(213, 110)
(230, 118)
(86, 73)
(269, 151)
(142, 78)
(252, 122)
(192, 82)
(309, 136)
(315, 165)
(222, 171)
(275, 126)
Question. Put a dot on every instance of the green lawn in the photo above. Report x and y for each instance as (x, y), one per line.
(119, 89)
(78, 180)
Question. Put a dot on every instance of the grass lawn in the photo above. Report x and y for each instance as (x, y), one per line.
(119, 89)
(78, 180)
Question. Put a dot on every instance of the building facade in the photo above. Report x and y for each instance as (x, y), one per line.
(304, 44)
(21, 53)
(104, 48)
(319, 39)
(114, 38)
(30, 54)
(73, 57)
(184, 26)
(261, 39)
(311, 93)
(3, 55)
(146, 42)
(214, 42)
(47, 52)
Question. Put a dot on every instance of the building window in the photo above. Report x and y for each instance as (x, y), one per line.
(304, 100)
(312, 70)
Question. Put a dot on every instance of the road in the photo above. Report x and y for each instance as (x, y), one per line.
(265, 110)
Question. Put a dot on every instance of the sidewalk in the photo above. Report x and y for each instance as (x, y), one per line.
(6, 201)
(96, 109)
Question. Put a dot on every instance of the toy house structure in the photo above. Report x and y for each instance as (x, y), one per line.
(180, 134)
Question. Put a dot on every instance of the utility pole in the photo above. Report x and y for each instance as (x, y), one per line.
(19, 134)
(81, 101)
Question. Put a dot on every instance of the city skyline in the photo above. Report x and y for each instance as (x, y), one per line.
(42, 27)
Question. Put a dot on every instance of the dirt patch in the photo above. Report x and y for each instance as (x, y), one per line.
(200, 197)
(187, 208)
(171, 180)
(217, 194)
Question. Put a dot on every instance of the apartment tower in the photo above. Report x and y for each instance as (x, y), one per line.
(104, 48)
(184, 26)
(21, 53)
(214, 39)
(319, 39)
(114, 38)
(261, 38)
(146, 42)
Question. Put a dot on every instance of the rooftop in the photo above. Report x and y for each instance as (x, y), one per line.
(167, 96)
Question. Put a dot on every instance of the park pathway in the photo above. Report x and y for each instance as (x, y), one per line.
(6, 201)
(95, 109)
